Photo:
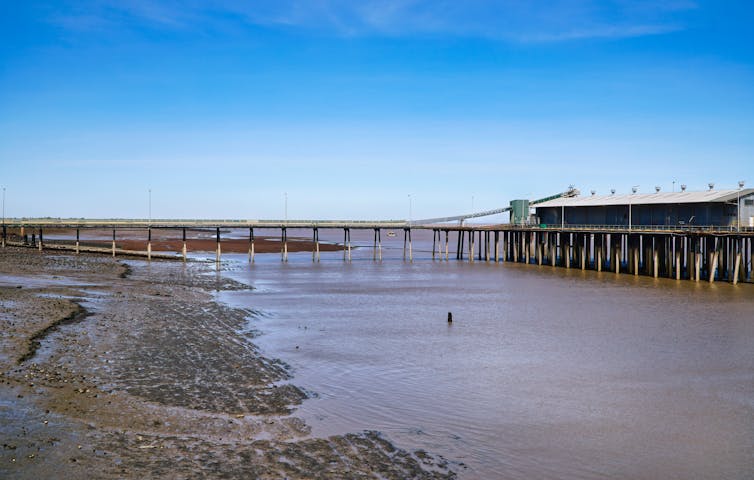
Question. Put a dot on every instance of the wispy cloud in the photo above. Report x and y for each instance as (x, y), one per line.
(535, 21)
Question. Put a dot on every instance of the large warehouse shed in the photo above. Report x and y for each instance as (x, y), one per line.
(708, 208)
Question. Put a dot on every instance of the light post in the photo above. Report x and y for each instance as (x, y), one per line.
(409, 209)
(738, 203)
(3, 206)
(285, 195)
(633, 191)
(150, 206)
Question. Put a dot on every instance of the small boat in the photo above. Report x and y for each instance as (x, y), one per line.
(391, 233)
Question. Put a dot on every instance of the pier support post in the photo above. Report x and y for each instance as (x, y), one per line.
(598, 252)
(553, 249)
(183, 248)
(251, 245)
(149, 243)
(284, 252)
(540, 245)
(315, 242)
(471, 246)
(5, 234)
(496, 239)
(347, 233)
(218, 250)
(407, 241)
(410, 246)
(736, 261)
(379, 244)
(697, 260)
(77, 241)
(655, 258)
(113, 243)
(713, 263)
(41, 240)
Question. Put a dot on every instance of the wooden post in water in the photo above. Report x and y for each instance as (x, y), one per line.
(315, 252)
(379, 244)
(655, 259)
(497, 246)
(5, 234)
(251, 245)
(41, 241)
(471, 246)
(598, 253)
(113, 243)
(348, 230)
(713, 264)
(284, 232)
(434, 240)
(77, 241)
(446, 245)
(218, 250)
(405, 242)
(737, 260)
(584, 242)
(184, 250)
(149, 243)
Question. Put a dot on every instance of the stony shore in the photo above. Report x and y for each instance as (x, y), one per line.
(126, 369)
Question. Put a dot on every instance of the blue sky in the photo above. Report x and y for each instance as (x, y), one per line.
(350, 107)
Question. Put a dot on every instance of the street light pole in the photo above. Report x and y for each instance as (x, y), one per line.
(633, 190)
(150, 206)
(738, 203)
(285, 194)
(410, 206)
(3, 205)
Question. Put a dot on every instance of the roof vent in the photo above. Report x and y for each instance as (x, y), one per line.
(711, 185)
(657, 189)
(683, 187)
(593, 192)
(612, 191)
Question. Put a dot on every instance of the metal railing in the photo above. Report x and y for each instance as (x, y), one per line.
(645, 228)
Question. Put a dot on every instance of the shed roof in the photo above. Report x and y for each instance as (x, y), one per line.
(708, 196)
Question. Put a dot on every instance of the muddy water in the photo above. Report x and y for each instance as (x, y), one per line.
(544, 373)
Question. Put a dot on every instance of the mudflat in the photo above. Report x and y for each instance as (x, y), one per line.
(111, 369)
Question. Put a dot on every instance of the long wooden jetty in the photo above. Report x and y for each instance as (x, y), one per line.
(677, 252)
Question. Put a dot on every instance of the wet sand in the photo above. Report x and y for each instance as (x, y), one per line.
(133, 370)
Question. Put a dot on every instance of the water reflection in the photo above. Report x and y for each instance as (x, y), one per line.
(544, 373)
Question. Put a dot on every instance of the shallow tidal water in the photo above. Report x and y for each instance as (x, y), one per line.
(544, 372)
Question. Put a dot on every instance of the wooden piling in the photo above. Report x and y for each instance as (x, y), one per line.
(251, 245)
(218, 250)
(284, 253)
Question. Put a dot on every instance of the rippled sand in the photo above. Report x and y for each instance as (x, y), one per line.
(113, 370)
